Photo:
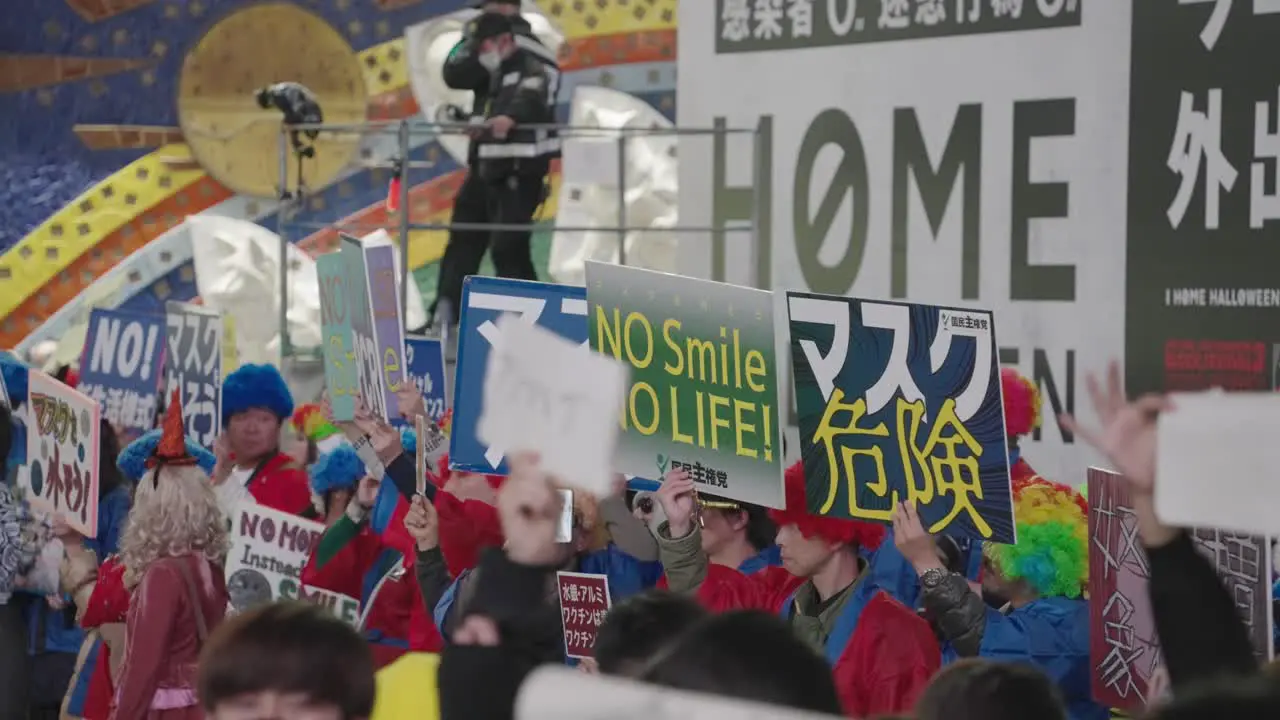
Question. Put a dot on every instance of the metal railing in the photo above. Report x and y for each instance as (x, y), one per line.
(293, 199)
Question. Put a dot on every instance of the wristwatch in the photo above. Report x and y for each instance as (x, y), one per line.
(932, 578)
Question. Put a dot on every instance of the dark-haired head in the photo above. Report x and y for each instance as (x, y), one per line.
(6, 440)
(750, 656)
(984, 690)
(109, 476)
(640, 626)
(286, 655)
(1252, 698)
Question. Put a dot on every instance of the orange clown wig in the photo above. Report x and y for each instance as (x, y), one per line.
(1052, 552)
(833, 530)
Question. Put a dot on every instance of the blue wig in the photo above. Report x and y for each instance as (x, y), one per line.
(338, 469)
(133, 459)
(409, 440)
(255, 386)
(15, 379)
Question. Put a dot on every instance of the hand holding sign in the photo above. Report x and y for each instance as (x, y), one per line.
(529, 508)
(544, 393)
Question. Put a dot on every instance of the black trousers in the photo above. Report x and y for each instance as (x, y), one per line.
(15, 664)
(510, 202)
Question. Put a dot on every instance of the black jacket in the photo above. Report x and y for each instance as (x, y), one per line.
(463, 71)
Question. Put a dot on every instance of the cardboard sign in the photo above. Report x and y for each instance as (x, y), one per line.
(341, 376)
(901, 403)
(424, 362)
(269, 548)
(122, 367)
(364, 339)
(194, 367)
(584, 601)
(63, 436)
(703, 394)
(388, 327)
(546, 394)
(561, 309)
(1124, 649)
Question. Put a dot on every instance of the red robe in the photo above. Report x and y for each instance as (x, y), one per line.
(880, 665)
(108, 603)
(158, 676)
(282, 484)
(466, 528)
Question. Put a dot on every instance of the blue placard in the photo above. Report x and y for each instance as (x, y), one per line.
(562, 309)
(424, 364)
(123, 367)
(901, 402)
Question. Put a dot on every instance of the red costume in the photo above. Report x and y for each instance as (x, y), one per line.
(281, 484)
(882, 654)
(178, 602)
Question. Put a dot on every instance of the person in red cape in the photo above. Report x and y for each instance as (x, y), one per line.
(173, 551)
(255, 401)
(882, 654)
(467, 515)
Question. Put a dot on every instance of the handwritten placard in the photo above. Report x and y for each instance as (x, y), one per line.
(341, 377)
(388, 327)
(364, 339)
(62, 453)
(121, 367)
(544, 393)
(424, 363)
(269, 548)
(584, 601)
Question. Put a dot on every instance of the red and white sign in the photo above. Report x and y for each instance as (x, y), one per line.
(584, 601)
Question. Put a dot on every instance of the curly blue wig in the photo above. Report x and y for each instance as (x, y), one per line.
(133, 459)
(338, 469)
(15, 379)
(255, 386)
(409, 440)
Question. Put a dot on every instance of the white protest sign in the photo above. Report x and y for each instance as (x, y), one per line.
(558, 693)
(1217, 461)
(543, 393)
(62, 453)
(269, 548)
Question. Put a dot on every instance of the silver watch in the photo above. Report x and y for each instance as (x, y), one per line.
(932, 578)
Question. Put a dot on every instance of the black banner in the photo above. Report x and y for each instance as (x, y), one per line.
(1203, 256)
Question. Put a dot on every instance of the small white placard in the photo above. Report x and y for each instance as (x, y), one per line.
(1217, 462)
(546, 394)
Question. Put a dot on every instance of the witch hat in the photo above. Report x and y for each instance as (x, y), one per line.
(172, 448)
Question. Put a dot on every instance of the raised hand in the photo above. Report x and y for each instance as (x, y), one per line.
(1127, 435)
(422, 523)
(912, 539)
(678, 497)
(529, 507)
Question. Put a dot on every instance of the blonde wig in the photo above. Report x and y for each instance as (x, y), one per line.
(177, 516)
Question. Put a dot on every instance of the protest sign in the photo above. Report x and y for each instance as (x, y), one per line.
(372, 382)
(1124, 649)
(388, 327)
(62, 453)
(584, 601)
(901, 403)
(230, 350)
(562, 309)
(121, 367)
(704, 382)
(4, 394)
(424, 363)
(269, 548)
(194, 366)
(545, 394)
(341, 377)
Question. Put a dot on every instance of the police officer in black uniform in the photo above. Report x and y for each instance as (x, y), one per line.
(515, 80)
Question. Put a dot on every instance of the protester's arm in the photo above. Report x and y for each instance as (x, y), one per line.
(339, 535)
(683, 559)
(462, 69)
(959, 612)
(403, 471)
(532, 96)
(433, 576)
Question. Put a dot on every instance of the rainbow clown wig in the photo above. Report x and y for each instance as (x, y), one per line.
(833, 530)
(1052, 552)
(310, 421)
(1021, 403)
(338, 469)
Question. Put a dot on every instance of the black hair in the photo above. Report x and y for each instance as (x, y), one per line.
(1252, 698)
(748, 655)
(974, 689)
(109, 475)
(635, 629)
(6, 440)
(761, 531)
(288, 647)
(491, 25)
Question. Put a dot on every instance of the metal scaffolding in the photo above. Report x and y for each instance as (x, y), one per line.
(293, 199)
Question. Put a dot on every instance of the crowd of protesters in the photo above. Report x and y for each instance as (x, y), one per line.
(457, 584)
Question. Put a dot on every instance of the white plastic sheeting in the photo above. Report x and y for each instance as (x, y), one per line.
(237, 272)
(589, 187)
(428, 45)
